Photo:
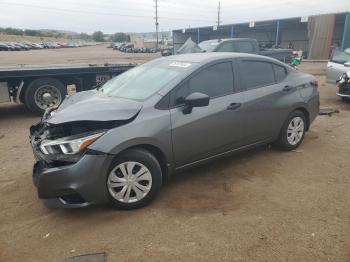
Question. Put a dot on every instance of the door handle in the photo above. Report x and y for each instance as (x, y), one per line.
(287, 88)
(234, 106)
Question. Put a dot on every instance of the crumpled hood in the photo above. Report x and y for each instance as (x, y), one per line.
(94, 106)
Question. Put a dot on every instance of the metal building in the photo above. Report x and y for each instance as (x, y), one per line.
(315, 35)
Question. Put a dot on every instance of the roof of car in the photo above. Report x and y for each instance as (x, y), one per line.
(211, 56)
(227, 39)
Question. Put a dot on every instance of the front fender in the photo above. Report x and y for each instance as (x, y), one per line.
(152, 129)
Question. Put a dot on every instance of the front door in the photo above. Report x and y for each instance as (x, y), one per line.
(209, 130)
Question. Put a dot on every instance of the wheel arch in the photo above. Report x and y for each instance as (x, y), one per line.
(306, 114)
(157, 152)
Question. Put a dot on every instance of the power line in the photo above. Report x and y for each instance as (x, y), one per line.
(187, 4)
(98, 13)
(138, 9)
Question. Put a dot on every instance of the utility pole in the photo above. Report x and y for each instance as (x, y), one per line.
(156, 18)
(219, 21)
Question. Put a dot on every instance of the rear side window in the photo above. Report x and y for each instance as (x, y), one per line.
(280, 73)
(214, 81)
(256, 73)
(244, 47)
(226, 47)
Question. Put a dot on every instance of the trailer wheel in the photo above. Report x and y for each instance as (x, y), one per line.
(44, 93)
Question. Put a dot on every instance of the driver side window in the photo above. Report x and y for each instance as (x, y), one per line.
(214, 81)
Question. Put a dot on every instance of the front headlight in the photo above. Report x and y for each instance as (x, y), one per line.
(69, 145)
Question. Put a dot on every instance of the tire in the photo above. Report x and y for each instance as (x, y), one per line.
(140, 158)
(33, 99)
(285, 140)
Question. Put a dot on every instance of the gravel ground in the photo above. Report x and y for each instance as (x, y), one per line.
(262, 205)
(88, 54)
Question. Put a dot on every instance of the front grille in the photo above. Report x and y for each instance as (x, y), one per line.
(345, 89)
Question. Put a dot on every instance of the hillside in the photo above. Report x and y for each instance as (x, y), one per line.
(10, 38)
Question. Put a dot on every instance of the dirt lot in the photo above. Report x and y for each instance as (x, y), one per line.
(263, 205)
(89, 54)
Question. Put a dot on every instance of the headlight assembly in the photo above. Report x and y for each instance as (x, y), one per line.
(69, 145)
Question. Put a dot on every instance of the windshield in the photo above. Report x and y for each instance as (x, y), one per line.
(341, 57)
(140, 82)
(208, 46)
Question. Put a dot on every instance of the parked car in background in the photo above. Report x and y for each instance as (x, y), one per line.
(167, 51)
(344, 86)
(4, 47)
(338, 64)
(162, 117)
(245, 45)
(13, 46)
(129, 48)
(23, 46)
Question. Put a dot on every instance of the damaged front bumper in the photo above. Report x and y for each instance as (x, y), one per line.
(64, 184)
(344, 90)
(76, 185)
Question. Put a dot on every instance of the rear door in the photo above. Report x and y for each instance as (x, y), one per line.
(209, 130)
(264, 109)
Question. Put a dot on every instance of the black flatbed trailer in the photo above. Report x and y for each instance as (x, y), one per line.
(43, 86)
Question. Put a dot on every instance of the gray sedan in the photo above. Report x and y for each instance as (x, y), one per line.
(120, 143)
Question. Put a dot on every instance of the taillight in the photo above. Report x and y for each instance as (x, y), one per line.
(314, 83)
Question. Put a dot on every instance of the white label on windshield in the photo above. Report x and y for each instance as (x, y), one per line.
(180, 64)
(215, 43)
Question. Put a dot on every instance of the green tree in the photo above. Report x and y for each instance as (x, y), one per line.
(121, 37)
(85, 36)
(13, 31)
(98, 36)
(31, 32)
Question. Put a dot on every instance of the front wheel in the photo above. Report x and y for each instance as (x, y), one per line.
(293, 131)
(134, 179)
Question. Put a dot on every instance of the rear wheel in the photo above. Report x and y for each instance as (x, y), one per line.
(134, 179)
(293, 131)
(44, 93)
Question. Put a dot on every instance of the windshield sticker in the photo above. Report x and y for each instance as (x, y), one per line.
(180, 64)
(215, 43)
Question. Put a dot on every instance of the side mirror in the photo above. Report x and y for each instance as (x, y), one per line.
(347, 64)
(195, 100)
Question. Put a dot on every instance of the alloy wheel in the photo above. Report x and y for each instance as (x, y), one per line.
(295, 130)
